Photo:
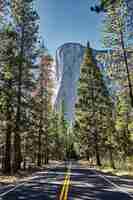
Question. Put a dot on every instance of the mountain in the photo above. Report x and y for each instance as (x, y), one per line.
(69, 57)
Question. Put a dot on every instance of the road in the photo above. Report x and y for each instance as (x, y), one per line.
(73, 182)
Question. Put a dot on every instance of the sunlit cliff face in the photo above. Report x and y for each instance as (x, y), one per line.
(68, 60)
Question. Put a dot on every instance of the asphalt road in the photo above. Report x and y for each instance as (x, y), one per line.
(66, 183)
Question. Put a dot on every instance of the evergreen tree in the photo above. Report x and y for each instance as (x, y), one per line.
(43, 106)
(124, 126)
(7, 93)
(47, 101)
(103, 6)
(56, 138)
(117, 37)
(25, 19)
(92, 103)
(7, 56)
(63, 128)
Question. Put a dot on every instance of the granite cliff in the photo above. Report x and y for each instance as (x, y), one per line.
(68, 60)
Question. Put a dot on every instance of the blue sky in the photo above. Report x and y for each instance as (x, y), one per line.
(64, 21)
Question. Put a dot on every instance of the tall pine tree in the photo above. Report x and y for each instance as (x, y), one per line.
(92, 101)
(25, 19)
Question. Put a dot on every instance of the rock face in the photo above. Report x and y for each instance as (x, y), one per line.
(68, 60)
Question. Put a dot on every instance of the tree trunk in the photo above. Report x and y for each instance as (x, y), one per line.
(39, 156)
(17, 138)
(46, 151)
(57, 145)
(98, 161)
(24, 163)
(7, 157)
(17, 153)
(7, 153)
(46, 127)
(88, 155)
(127, 68)
(111, 158)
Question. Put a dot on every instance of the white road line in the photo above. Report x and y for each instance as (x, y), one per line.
(11, 190)
(113, 184)
(19, 185)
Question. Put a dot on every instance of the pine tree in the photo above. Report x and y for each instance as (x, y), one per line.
(124, 125)
(117, 37)
(7, 56)
(25, 19)
(92, 101)
(43, 106)
(103, 6)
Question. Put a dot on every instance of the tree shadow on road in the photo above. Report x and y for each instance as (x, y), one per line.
(125, 181)
(86, 185)
(44, 186)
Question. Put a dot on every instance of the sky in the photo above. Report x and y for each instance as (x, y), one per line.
(63, 21)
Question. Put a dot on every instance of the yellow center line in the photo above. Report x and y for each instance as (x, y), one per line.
(65, 188)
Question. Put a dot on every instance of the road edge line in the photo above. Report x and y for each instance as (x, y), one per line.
(113, 184)
(21, 184)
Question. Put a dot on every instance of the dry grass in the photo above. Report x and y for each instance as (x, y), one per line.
(124, 170)
(8, 179)
(117, 172)
(23, 175)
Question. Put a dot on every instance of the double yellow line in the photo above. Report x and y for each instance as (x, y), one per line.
(65, 187)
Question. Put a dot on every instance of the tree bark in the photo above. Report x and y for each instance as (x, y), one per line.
(46, 150)
(111, 158)
(7, 156)
(98, 160)
(127, 68)
(39, 156)
(17, 138)
(17, 153)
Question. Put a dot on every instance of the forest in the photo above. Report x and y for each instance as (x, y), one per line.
(32, 131)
